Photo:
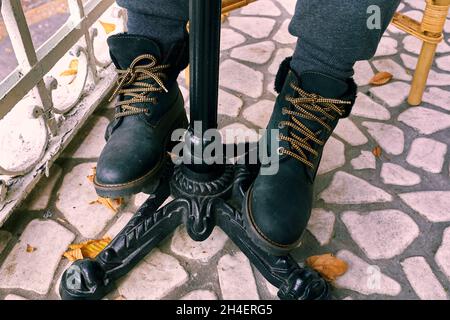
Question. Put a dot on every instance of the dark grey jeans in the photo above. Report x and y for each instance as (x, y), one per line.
(332, 34)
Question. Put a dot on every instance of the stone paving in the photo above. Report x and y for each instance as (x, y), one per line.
(387, 216)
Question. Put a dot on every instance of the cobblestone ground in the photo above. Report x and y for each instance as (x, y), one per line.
(388, 217)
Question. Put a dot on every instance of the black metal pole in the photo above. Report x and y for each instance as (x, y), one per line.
(204, 30)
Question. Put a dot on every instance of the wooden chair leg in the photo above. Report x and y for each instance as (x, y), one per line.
(431, 32)
(420, 78)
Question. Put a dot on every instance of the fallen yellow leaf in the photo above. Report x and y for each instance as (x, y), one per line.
(77, 246)
(112, 204)
(377, 151)
(109, 27)
(224, 16)
(328, 266)
(92, 176)
(73, 255)
(381, 78)
(93, 248)
(30, 248)
(73, 64)
(88, 249)
(69, 72)
(73, 69)
(61, 220)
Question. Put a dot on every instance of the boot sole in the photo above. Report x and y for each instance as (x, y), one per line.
(149, 182)
(146, 184)
(261, 240)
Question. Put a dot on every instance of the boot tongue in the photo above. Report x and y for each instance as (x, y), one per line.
(124, 48)
(323, 85)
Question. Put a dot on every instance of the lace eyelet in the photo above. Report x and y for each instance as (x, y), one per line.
(280, 125)
(284, 111)
(280, 151)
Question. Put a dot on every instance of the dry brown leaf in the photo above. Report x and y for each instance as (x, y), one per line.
(112, 204)
(377, 151)
(88, 249)
(381, 78)
(108, 27)
(30, 248)
(328, 266)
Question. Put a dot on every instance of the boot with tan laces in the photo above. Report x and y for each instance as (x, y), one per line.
(308, 108)
(149, 107)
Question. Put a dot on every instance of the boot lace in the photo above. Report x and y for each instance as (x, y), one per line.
(131, 85)
(311, 107)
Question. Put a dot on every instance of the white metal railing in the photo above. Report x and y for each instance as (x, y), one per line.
(33, 91)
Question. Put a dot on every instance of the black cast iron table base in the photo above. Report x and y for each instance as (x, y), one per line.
(200, 205)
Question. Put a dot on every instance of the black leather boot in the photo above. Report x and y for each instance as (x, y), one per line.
(307, 110)
(149, 108)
